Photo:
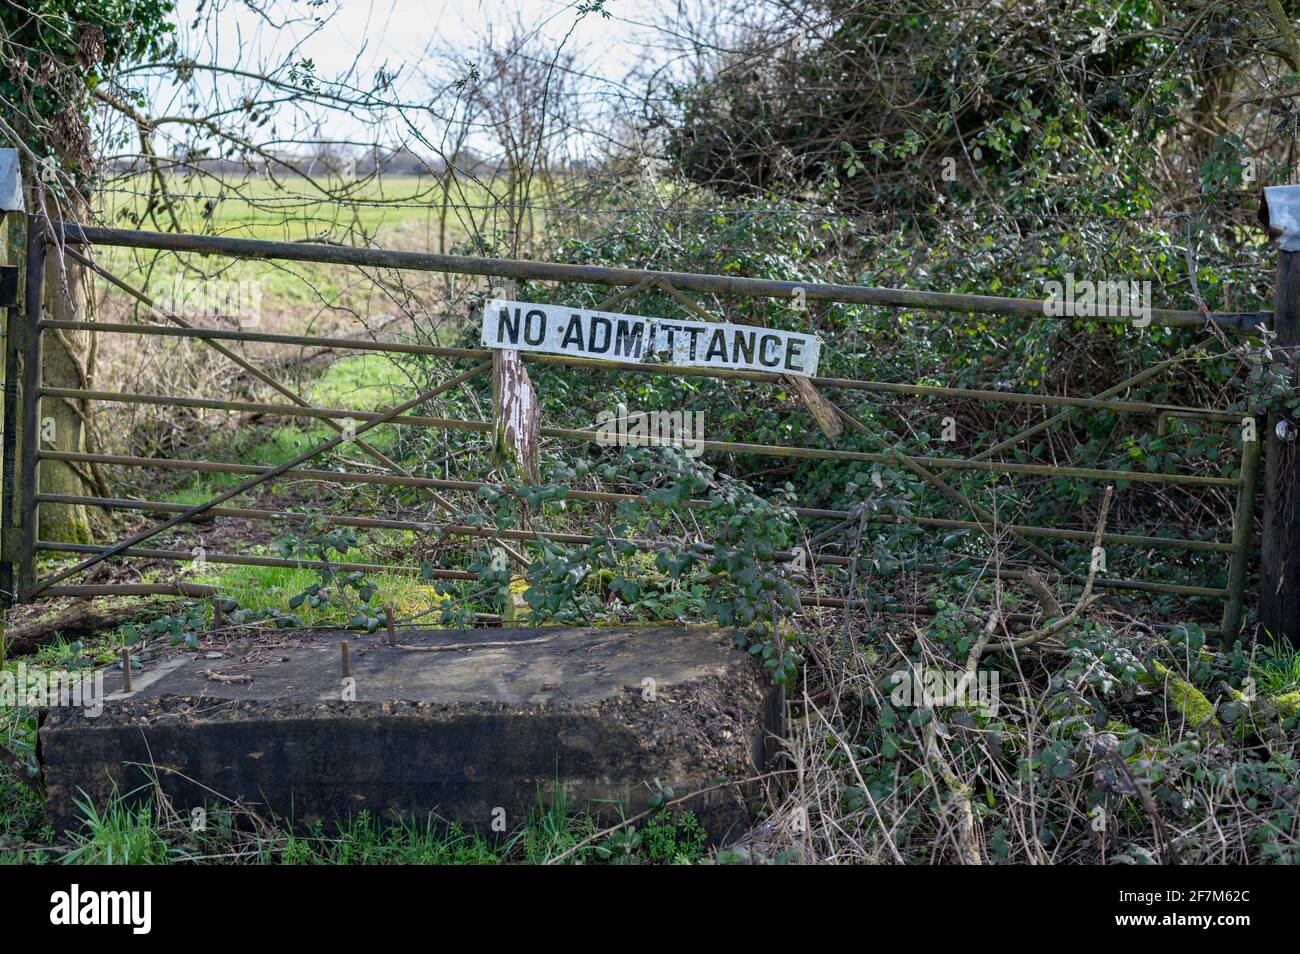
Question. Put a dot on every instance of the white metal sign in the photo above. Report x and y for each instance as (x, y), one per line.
(607, 336)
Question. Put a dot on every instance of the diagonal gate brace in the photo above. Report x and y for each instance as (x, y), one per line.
(262, 376)
(276, 471)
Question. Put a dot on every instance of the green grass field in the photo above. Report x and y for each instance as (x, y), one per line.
(401, 212)
(286, 297)
(293, 209)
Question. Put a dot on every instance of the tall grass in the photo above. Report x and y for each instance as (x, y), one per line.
(148, 830)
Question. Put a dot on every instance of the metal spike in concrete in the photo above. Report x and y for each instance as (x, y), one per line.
(458, 726)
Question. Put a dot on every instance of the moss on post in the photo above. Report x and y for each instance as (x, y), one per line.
(1184, 698)
(514, 611)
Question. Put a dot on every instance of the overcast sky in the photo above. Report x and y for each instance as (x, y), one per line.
(397, 36)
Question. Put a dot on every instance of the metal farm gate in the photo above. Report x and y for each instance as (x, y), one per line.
(22, 580)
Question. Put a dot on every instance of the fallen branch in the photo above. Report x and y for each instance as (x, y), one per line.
(1046, 598)
(496, 644)
(242, 678)
(1086, 599)
(968, 833)
(76, 622)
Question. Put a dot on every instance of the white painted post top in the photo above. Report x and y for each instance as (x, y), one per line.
(11, 182)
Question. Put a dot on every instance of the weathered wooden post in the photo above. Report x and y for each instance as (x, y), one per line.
(11, 205)
(1279, 598)
(516, 419)
(29, 438)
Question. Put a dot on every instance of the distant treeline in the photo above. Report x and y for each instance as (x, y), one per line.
(326, 161)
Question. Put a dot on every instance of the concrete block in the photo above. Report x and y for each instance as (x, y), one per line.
(454, 726)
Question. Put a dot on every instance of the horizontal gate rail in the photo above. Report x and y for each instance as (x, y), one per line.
(779, 450)
(448, 574)
(921, 609)
(240, 559)
(1243, 322)
(253, 407)
(382, 523)
(849, 384)
(952, 463)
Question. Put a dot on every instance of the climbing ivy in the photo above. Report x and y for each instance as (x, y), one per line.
(722, 552)
(55, 53)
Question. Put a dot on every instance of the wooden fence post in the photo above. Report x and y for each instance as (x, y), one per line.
(516, 419)
(30, 435)
(1279, 598)
(9, 514)
(12, 226)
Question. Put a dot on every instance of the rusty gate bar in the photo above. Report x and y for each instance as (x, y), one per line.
(245, 560)
(352, 477)
(254, 407)
(74, 233)
(921, 609)
(571, 434)
(346, 477)
(246, 513)
(447, 574)
(956, 463)
(820, 453)
(853, 384)
(464, 530)
(377, 523)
